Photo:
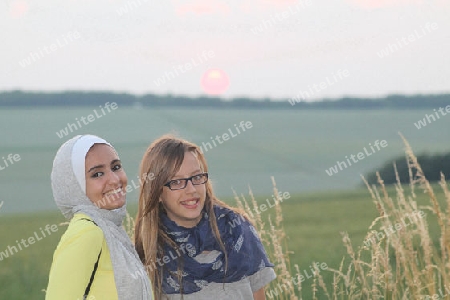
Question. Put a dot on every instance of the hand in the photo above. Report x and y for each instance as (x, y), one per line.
(259, 295)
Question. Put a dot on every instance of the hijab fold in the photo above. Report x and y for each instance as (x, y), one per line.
(69, 190)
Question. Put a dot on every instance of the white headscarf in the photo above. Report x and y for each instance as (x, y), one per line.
(69, 190)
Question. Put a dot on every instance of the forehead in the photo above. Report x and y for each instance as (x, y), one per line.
(101, 152)
(190, 163)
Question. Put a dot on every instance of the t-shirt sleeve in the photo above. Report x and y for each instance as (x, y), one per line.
(74, 260)
(261, 278)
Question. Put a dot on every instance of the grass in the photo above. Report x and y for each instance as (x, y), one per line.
(404, 253)
(24, 274)
(301, 230)
(296, 149)
(312, 226)
(312, 223)
(411, 263)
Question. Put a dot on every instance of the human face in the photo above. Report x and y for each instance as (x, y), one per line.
(185, 206)
(106, 181)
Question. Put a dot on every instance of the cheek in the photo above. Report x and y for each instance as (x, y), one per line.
(124, 179)
(202, 190)
(169, 199)
(94, 190)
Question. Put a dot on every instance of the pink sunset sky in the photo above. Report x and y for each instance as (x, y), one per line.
(250, 48)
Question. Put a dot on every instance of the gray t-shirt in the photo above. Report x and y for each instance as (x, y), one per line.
(240, 290)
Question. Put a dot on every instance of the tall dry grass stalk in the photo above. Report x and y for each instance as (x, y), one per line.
(398, 259)
(274, 239)
(129, 226)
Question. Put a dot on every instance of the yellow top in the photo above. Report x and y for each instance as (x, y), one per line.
(74, 260)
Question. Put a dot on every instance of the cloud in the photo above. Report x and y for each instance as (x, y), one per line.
(205, 7)
(18, 8)
(200, 7)
(373, 4)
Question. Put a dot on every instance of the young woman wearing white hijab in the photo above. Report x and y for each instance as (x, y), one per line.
(95, 258)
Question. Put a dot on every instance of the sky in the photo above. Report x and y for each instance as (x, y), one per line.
(305, 50)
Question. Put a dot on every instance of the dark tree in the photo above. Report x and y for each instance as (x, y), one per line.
(432, 166)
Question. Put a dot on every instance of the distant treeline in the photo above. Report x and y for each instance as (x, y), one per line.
(432, 166)
(75, 98)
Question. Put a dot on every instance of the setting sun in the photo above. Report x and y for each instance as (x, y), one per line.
(215, 82)
(18, 8)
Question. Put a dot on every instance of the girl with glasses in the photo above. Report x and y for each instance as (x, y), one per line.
(193, 245)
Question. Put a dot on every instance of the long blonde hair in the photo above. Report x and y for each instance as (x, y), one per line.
(161, 161)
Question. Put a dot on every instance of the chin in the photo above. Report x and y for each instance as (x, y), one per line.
(115, 205)
(119, 205)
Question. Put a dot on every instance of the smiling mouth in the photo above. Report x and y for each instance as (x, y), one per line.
(114, 193)
(191, 203)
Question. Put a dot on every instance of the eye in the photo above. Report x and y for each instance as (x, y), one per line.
(96, 175)
(117, 167)
(175, 182)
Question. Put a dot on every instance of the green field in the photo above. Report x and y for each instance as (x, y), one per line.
(294, 146)
(312, 222)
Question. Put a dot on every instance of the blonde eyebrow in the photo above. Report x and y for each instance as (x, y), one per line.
(180, 176)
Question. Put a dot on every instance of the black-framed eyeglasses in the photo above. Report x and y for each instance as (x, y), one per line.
(181, 183)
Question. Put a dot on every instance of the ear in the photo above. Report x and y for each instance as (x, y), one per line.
(161, 205)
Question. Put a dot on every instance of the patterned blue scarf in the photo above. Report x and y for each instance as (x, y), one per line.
(246, 254)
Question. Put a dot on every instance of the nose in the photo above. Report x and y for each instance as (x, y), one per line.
(190, 188)
(113, 178)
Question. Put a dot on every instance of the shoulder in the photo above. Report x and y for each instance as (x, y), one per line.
(262, 278)
(226, 213)
(82, 230)
(230, 220)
